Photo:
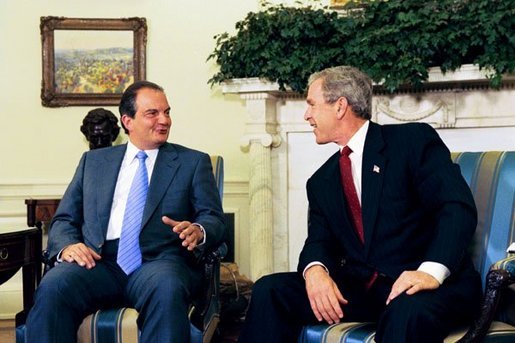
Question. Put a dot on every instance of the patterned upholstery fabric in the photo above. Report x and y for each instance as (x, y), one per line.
(491, 177)
(117, 325)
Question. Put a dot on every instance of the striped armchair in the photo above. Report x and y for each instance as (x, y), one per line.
(491, 177)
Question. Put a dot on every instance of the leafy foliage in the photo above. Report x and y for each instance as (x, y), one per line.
(394, 41)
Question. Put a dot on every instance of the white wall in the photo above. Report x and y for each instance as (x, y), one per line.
(41, 146)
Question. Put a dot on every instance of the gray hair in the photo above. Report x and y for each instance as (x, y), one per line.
(347, 82)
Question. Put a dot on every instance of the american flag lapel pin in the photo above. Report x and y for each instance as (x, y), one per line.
(376, 169)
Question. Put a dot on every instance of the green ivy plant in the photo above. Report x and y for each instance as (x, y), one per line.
(394, 41)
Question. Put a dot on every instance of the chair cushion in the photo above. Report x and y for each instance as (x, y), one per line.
(117, 325)
(365, 332)
(338, 333)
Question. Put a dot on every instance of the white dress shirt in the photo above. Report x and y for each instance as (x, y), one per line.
(123, 184)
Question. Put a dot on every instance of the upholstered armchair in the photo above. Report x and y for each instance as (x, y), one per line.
(119, 324)
(491, 177)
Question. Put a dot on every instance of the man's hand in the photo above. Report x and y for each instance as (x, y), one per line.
(324, 296)
(412, 282)
(80, 253)
(189, 233)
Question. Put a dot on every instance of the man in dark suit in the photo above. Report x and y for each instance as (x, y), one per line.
(182, 214)
(390, 219)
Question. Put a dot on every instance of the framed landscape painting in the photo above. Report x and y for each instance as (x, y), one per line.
(90, 61)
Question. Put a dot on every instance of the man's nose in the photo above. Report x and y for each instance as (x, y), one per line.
(307, 114)
(164, 118)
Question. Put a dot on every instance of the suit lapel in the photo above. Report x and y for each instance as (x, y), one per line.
(165, 168)
(107, 169)
(373, 169)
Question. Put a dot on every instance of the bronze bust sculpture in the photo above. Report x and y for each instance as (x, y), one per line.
(100, 126)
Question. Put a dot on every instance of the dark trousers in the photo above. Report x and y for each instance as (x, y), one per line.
(159, 290)
(280, 307)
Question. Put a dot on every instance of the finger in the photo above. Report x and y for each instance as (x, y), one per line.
(192, 234)
(187, 240)
(94, 254)
(68, 257)
(340, 297)
(315, 310)
(328, 312)
(85, 253)
(416, 288)
(192, 241)
(397, 290)
(81, 258)
(185, 231)
(335, 312)
(323, 313)
(169, 221)
(180, 227)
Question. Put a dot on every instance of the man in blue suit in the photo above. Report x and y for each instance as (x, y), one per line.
(390, 220)
(181, 215)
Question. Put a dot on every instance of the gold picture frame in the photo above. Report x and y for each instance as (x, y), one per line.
(338, 4)
(89, 62)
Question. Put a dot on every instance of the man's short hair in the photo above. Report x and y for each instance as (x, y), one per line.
(128, 100)
(347, 82)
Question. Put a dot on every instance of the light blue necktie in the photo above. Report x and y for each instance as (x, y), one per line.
(129, 253)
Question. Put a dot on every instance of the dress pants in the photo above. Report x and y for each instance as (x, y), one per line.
(280, 307)
(159, 290)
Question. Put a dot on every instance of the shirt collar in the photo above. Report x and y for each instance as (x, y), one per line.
(132, 150)
(357, 142)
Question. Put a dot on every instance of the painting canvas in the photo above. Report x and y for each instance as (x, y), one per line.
(93, 61)
(90, 61)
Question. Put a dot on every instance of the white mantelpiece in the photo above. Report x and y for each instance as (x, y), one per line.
(468, 114)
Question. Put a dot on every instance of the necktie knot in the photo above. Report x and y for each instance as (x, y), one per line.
(346, 151)
(141, 155)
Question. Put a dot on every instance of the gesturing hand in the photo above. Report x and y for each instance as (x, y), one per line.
(412, 282)
(190, 233)
(80, 253)
(324, 296)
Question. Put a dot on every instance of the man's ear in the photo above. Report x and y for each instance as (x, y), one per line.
(126, 120)
(342, 107)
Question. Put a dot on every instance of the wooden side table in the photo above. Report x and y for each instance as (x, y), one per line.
(22, 249)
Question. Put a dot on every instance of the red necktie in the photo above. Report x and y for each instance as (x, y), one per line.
(353, 205)
(349, 191)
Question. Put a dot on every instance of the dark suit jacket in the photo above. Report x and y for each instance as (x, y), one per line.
(182, 187)
(416, 207)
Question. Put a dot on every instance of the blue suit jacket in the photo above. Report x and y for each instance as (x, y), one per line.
(416, 207)
(182, 187)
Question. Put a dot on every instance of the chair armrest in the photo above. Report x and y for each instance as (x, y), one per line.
(507, 264)
(500, 277)
(48, 263)
(208, 303)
